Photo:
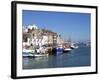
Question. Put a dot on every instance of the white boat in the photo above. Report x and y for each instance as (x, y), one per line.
(74, 47)
(34, 55)
(40, 55)
(28, 51)
(67, 49)
(27, 55)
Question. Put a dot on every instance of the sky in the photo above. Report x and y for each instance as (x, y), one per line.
(68, 24)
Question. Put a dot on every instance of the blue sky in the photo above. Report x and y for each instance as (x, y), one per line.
(73, 25)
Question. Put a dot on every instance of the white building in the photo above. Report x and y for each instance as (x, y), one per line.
(32, 26)
(38, 37)
(44, 40)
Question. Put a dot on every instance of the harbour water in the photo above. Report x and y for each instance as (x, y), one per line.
(75, 58)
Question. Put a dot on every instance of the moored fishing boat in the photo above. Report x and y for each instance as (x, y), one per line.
(73, 46)
(28, 51)
(57, 50)
(34, 55)
(40, 55)
(25, 54)
(67, 49)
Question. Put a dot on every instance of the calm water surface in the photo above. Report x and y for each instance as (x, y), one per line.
(75, 58)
